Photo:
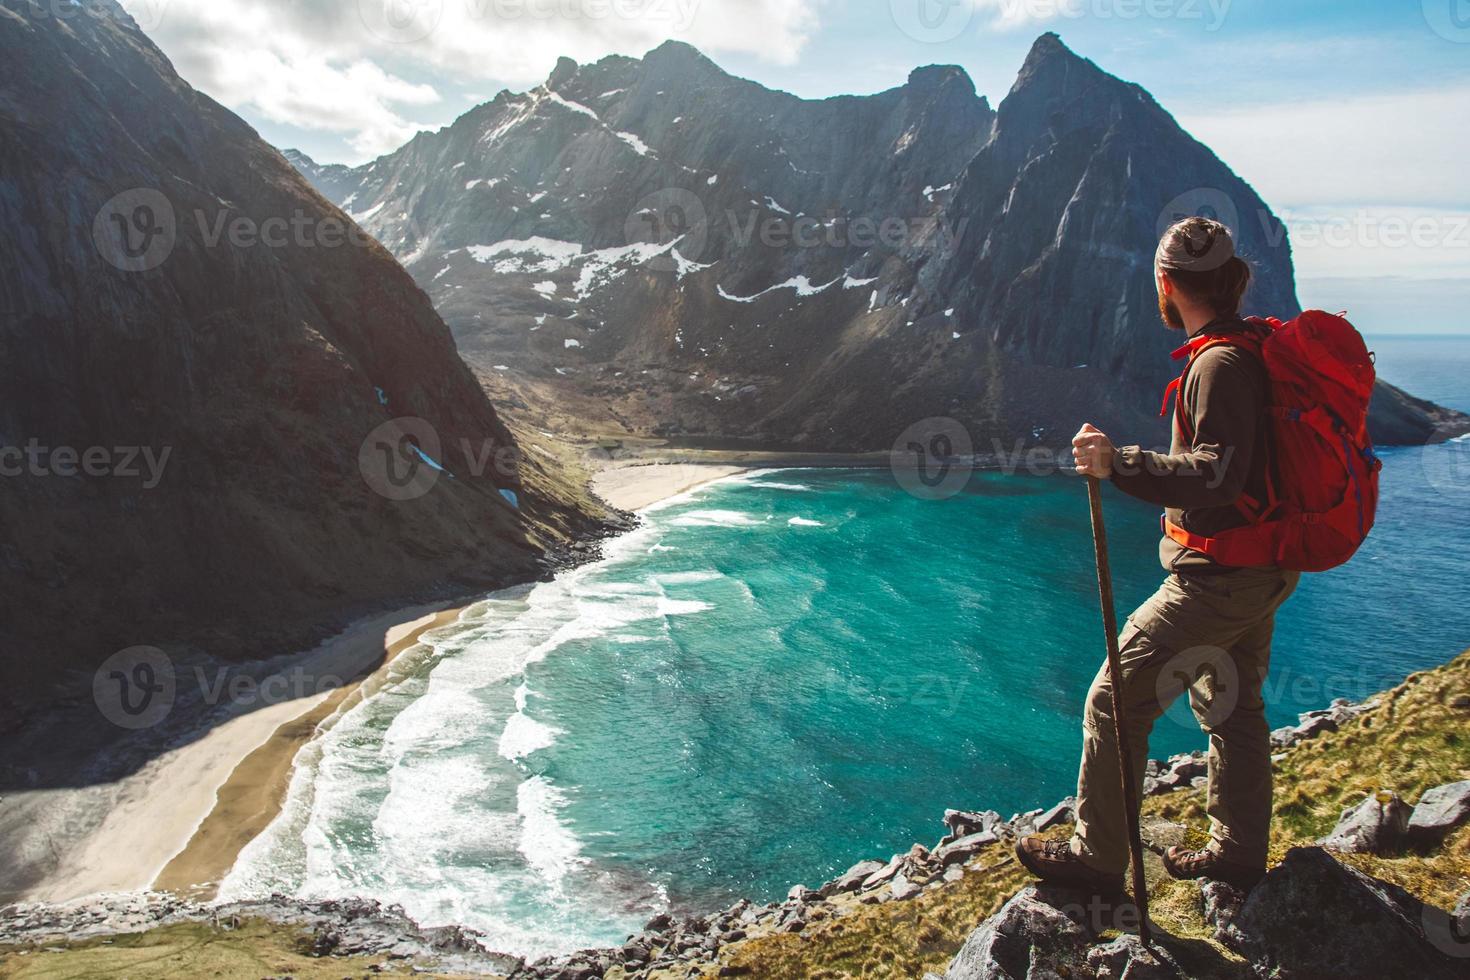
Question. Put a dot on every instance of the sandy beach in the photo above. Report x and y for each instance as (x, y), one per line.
(179, 821)
(634, 486)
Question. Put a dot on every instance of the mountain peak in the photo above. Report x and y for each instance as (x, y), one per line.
(678, 53)
(938, 76)
(1048, 45)
(1049, 54)
(565, 69)
(1053, 67)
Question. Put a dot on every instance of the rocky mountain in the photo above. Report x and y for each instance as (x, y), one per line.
(659, 247)
(203, 361)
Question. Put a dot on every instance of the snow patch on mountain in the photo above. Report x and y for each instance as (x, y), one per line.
(801, 284)
(535, 254)
(362, 216)
(639, 147)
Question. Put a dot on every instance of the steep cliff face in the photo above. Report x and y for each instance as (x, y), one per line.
(1064, 207)
(682, 252)
(198, 349)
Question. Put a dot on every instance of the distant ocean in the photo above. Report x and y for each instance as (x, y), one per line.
(783, 673)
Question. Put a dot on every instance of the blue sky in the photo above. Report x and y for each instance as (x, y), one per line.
(1352, 119)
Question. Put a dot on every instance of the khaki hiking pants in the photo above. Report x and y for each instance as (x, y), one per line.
(1212, 635)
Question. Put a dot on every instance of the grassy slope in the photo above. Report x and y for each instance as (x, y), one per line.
(192, 950)
(1413, 740)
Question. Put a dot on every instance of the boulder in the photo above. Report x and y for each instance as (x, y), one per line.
(1220, 904)
(962, 823)
(965, 848)
(1439, 811)
(884, 873)
(1312, 727)
(1311, 917)
(1378, 825)
(852, 879)
(1126, 958)
(799, 893)
(1040, 932)
(1061, 813)
(1022, 824)
(903, 888)
(1180, 770)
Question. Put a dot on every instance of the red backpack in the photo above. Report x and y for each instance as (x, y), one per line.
(1322, 475)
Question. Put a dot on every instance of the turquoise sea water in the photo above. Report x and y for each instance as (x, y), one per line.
(784, 673)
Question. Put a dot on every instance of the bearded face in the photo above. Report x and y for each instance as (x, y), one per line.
(1168, 312)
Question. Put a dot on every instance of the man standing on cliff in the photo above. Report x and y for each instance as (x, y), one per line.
(1204, 613)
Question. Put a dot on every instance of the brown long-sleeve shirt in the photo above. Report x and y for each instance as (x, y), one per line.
(1199, 481)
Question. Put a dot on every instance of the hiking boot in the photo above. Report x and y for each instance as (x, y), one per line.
(1054, 861)
(1206, 863)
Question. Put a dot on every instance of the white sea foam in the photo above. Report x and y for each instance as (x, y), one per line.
(547, 845)
(774, 485)
(717, 518)
(804, 522)
(523, 734)
(688, 578)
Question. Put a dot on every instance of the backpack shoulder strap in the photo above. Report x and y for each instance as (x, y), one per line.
(1187, 353)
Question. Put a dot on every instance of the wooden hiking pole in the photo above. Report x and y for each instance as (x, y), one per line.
(1115, 676)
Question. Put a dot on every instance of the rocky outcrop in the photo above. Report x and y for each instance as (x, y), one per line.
(1439, 811)
(1377, 825)
(1312, 917)
(1052, 932)
(1032, 932)
(204, 359)
(691, 255)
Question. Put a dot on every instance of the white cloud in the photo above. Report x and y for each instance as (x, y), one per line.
(367, 69)
(1369, 185)
(1404, 242)
(1404, 148)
